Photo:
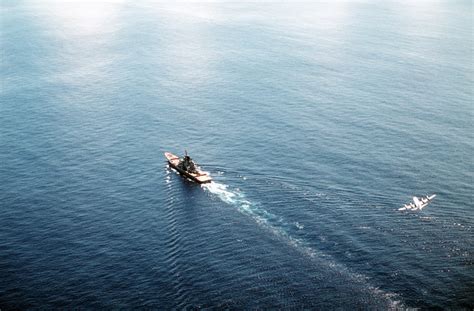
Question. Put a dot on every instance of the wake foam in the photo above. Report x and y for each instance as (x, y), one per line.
(238, 199)
(281, 228)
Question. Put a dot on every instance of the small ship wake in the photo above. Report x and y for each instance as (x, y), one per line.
(281, 228)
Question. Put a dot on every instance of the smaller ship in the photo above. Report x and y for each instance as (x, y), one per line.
(418, 203)
(186, 167)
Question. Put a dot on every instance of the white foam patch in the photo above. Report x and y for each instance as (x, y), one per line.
(221, 191)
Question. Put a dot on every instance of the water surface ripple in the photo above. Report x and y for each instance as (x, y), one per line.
(316, 120)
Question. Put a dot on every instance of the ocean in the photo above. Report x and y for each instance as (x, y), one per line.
(317, 121)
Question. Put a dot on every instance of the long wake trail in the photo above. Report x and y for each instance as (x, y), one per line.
(279, 227)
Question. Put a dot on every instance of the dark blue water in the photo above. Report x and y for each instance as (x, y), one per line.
(317, 122)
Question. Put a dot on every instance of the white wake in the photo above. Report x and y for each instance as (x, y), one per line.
(278, 226)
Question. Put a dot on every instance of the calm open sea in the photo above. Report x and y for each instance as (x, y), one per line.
(316, 120)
